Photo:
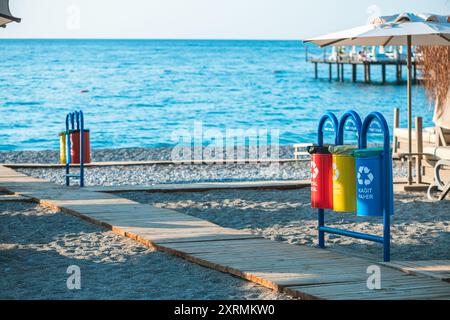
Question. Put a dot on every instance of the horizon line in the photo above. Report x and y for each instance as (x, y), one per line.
(157, 39)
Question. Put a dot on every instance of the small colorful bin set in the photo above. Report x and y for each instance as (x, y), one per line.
(352, 179)
(75, 147)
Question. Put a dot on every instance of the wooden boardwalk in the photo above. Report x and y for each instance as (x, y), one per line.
(300, 271)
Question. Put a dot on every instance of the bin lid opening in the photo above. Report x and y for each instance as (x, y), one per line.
(368, 153)
(316, 149)
(344, 150)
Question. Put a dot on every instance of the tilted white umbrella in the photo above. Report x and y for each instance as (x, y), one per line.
(5, 14)
(406, 29)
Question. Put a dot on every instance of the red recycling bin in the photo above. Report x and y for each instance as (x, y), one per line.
(321, 177)
(75, 146)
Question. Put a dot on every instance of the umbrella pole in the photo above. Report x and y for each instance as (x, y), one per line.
(409, 110)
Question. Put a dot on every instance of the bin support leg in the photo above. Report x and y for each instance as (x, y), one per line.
(387, 237)
(321, 224)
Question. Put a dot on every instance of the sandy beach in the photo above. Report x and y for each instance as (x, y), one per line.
(37, 246)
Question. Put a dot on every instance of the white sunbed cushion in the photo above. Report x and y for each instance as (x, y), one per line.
(428, 134)
(442, 153)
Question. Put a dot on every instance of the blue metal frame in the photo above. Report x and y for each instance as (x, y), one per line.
(388, 201)
(70, 125)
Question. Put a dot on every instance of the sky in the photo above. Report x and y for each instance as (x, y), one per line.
(200, 19)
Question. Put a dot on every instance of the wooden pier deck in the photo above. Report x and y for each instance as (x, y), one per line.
(367, 68)
(300, 271)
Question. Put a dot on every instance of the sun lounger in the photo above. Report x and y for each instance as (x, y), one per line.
(440, 184)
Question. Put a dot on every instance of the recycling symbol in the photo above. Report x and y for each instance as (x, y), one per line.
(336, 172)
(314, 170)
(365, 177)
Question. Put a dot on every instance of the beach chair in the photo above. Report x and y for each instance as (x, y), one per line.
(439, 185)
(429, 145)
(300, 151)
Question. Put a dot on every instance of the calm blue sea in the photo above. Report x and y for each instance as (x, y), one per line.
(141, 91)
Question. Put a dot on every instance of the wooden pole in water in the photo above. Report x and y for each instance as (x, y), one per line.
(365, 72)
(342, 72)
(383, 73)
(354, 72)
(338, 70)
(330, 72)
(315, 70)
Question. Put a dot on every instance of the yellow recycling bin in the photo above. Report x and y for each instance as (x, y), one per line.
(344, 179)
(62, 147)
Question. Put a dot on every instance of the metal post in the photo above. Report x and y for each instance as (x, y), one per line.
(321, 223)
(396, 125)
(419, 150)
(68, 159)
(409, 111)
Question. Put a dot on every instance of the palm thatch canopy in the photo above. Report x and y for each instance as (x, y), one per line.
(5, 14)
(434, 62)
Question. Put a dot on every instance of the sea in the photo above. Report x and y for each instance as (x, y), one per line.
(149, 93)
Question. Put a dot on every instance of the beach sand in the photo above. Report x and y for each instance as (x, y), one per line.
(420, 228)
(37, 246)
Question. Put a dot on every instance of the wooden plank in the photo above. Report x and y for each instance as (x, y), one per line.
(13, 198)
(439, 269)
(358, 290)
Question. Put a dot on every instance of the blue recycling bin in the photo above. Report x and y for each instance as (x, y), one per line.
(369, 191)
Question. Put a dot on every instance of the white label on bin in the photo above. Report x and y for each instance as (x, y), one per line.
(365, 176)
(365, 193)
(314, 170)
(336, 172)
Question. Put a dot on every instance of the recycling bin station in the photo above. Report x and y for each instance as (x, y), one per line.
(368, 190)
(77, 145)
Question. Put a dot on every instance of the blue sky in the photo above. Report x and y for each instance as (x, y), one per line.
(200, 19)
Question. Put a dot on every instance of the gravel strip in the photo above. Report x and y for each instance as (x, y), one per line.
(37, 246)
(119, 154)
(155, 174)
